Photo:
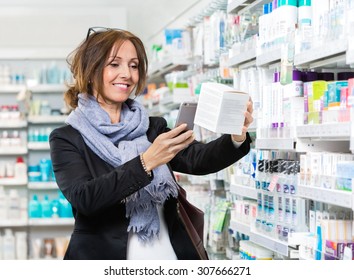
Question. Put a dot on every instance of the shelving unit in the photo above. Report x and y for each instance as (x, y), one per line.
(32, 152)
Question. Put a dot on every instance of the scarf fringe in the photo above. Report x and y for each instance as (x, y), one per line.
(144, 234)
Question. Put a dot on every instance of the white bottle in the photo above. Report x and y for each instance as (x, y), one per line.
(3, 204)
(13, 205)
(8, 245)
(20, 169)
(21, 245)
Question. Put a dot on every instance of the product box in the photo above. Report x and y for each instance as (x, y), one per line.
(221, 108)
(334, 93)
(334, 249)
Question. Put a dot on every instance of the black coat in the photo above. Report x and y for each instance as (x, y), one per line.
(95, 190)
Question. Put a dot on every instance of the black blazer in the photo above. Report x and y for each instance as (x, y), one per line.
(96, 190)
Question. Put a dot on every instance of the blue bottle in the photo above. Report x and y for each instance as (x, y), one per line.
(34, 208)
(65, 210)
(46, 207)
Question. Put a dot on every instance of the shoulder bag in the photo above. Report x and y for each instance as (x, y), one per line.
(193, 220)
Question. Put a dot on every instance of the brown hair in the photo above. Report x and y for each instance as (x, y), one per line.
(90, 57)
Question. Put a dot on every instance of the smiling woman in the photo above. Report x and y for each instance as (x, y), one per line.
(115, 164)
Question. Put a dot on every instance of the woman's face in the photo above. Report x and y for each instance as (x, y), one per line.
(120, 75)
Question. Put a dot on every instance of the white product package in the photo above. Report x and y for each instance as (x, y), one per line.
(221, 108)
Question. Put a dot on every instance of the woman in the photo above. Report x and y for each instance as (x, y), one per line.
(114, 164)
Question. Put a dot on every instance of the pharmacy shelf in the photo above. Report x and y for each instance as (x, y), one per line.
(13, 182)
(275, 245)
(42, 186)
(52, 119)
(244, 60)
(51, 222)
(270, 243)
(11, 88)
(335, 131)
(335, 197)
(268, 58)
(34, 53)
(163, 107)
(330, 56)
(48, 88)
(39, 146)
(13, 151)
(243, 191)
(350, 53)
(241, 227)
(159, 69)
(6, 124)
(13, 223)
(241, 6)
(275, 143)
(304, 145)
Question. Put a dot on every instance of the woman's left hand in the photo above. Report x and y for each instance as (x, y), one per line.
(247, 123)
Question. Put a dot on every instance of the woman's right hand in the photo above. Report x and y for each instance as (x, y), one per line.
(166, 146)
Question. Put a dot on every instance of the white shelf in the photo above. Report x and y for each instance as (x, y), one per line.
(11, 88)
(243, 191)
(333, 53)
(275, 143)
(333, 131)
(270, 243)
(13, 150)
(11, 123)
(13, 182)
(42, 186)
(240, 6)
(164, 106)
(51, 222)
(47, 119)
(34, 53)
(270, 57)
(38, 146)
(245, 58)
(335, 197)
(240, 227)
(159, 69)
(13, 223)
(48, 88)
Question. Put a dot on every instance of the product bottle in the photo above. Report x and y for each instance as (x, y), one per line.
(45, 169)
(3, 204)
(13, 205)
(65, 210)
(20, 169)
(8, 245)
(46, 207)
(21, 245)
(305, 24)
(34, 208)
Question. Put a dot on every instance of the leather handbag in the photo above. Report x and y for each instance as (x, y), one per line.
(193, 220)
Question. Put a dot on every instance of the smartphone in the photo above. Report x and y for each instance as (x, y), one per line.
(186, 114)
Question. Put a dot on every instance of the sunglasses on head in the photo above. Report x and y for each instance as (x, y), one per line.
(99, 29)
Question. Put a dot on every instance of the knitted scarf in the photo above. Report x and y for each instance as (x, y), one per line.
(119, 143)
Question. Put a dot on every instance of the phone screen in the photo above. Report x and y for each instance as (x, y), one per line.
(186, 114)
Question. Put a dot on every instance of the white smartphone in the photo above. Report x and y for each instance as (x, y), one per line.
(186, 114)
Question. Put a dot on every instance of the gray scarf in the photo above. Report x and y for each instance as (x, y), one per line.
(119, 143)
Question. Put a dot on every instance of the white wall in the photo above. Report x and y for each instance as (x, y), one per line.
(41, 32)
(52, 28)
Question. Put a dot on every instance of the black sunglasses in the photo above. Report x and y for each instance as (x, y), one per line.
(99, 29)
